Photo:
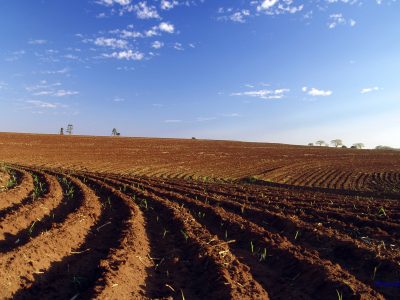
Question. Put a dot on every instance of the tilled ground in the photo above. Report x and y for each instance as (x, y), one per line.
(90, 235)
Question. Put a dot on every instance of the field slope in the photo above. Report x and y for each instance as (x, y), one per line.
(124, 218)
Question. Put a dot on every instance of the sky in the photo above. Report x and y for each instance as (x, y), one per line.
(282, 71)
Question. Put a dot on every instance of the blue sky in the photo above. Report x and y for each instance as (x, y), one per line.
(263, 70)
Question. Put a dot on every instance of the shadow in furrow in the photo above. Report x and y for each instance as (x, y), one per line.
(58, 215)
(75, 275)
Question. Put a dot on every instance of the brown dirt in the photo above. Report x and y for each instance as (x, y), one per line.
(121, 219)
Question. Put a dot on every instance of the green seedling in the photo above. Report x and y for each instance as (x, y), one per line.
(164, 233)
(340, 295)
(38, 187)
(183, 296)
(31, 228)
(375, 271)
(70, 192)
(297, 235)
(185, 235)
(12, 181)
(143, 203)
(382, 212)
(78, 280)
(251, 247)
(263, 256)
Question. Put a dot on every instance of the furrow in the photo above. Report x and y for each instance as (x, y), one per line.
(230, 279)
(29, 264)
(18, 193)
(304, 261)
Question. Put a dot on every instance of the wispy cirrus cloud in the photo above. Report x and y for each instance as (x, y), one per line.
(43, 104)
(112, 2)
(126, 55)
(267, 94)
(59, 71)
(339, 19)
(369, 90)
(316, 92)
(56, 93)
(37, 42)
(173, 121)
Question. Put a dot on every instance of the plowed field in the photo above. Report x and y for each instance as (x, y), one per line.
(80, 221)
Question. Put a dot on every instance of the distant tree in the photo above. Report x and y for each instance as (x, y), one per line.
(337, 143)
(310, 144)
(380, 147)
(70, 127)
(193, 138)
(344, 146)
(359, 145)
(62, 131)
(115, 132)
(320, 143)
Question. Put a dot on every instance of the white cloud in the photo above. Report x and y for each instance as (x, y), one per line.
(42, 85)
(63, 93)
(231, 115)
(3, 85)
(178, 46)
(56, 93)
(42, 104)
(131, 34)
(37, 42)
(264, 94)
(71, 56)
(118, 99)
(239, 16)
(168, 4)
(101, 16)
(316, 92)
(266, 4)
(173, 121)
(369, 90)
(61, 71)
(166, 27)
(339, 19)
(127, 55)
(111, 42)
(157, 45)
(205, 119)
(112, 2)
(143, 11)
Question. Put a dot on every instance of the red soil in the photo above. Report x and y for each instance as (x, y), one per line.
(120, 219)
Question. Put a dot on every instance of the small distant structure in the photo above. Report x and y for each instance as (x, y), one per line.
(310, 144)
(193, 138)
(70, 127)
(344, 146)
(62, 131)
(115, 132)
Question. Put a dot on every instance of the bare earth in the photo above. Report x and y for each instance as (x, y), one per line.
(137, 218)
